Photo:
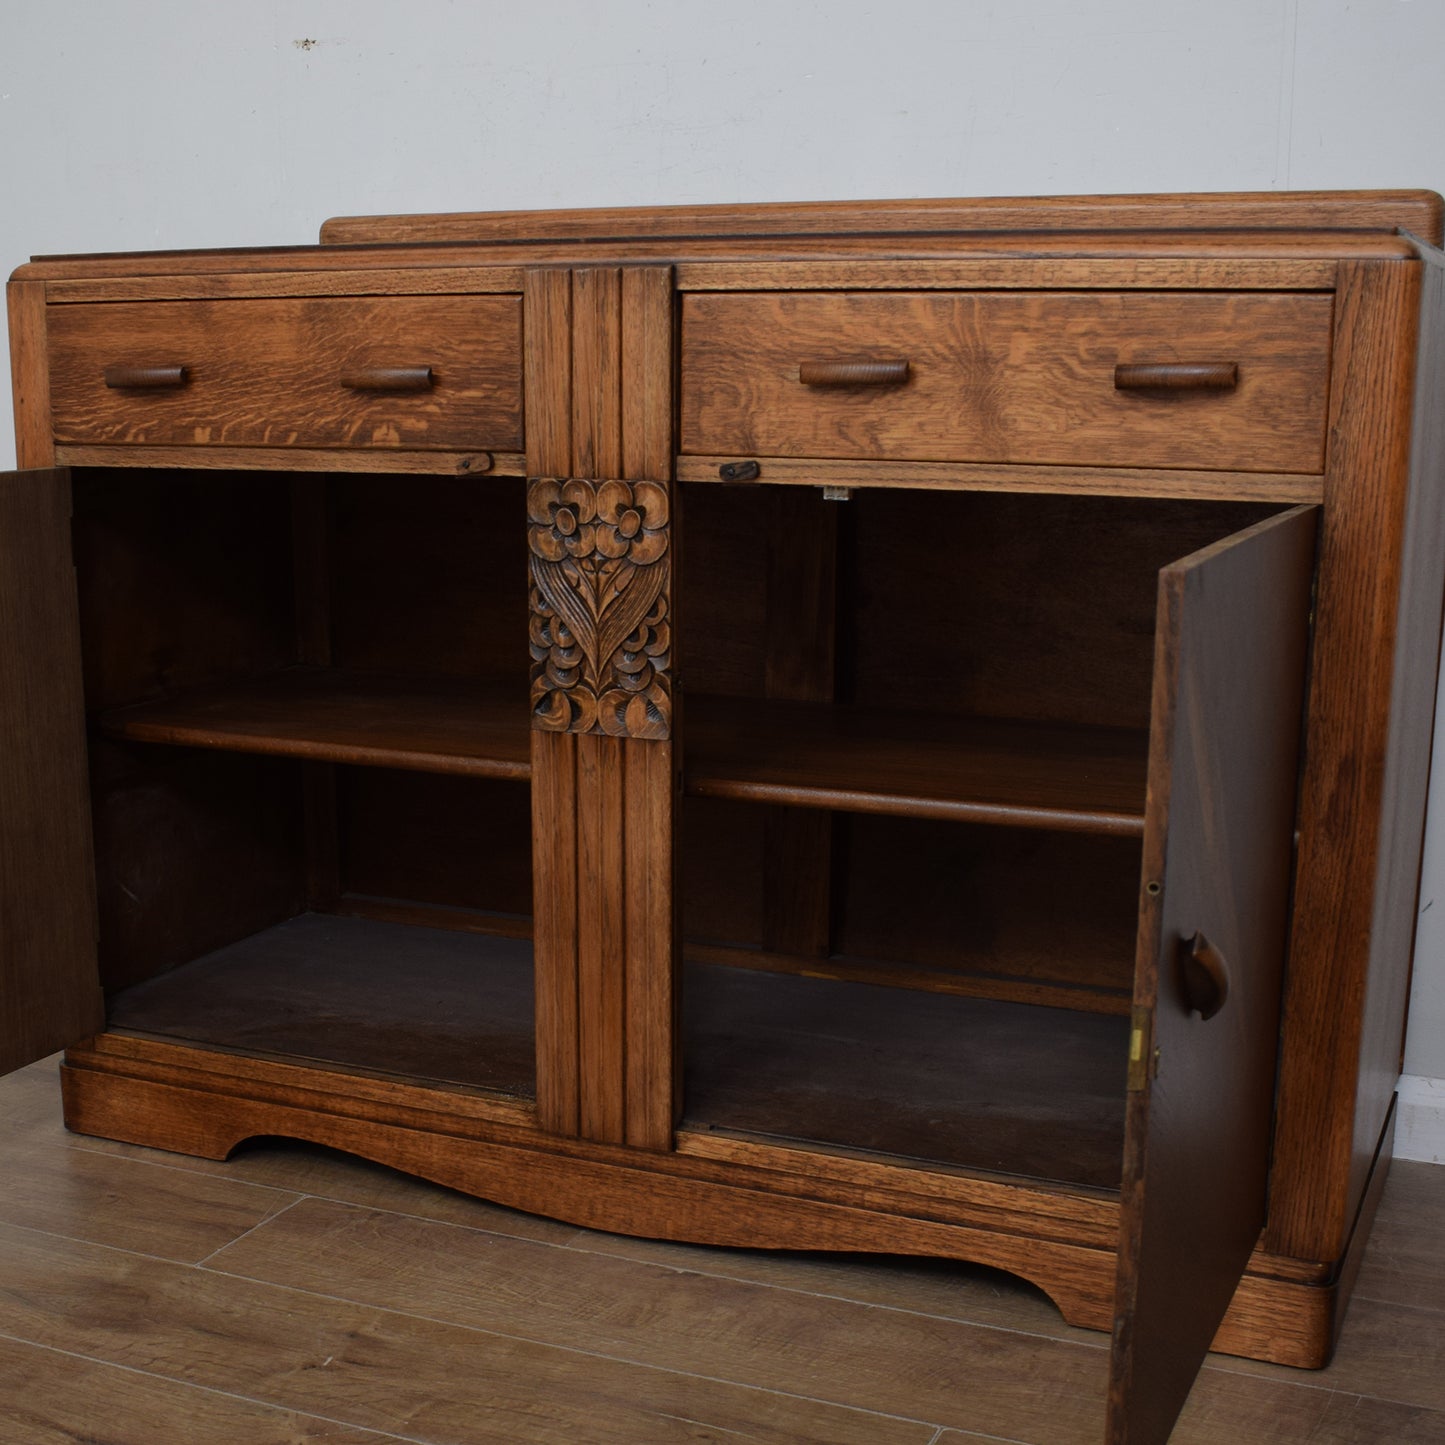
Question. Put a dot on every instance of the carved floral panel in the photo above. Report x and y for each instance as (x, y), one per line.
(600, 633)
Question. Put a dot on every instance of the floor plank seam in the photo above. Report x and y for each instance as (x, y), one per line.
(1310, 1380)
(381, 1435)
(677, 1269)
(1089, 1344)
(572, 1349)
(285, 1208)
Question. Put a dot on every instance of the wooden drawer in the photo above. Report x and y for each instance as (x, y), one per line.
(1026, 377)
(302, 372)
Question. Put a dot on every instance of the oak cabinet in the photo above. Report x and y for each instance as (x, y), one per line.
(895, 727)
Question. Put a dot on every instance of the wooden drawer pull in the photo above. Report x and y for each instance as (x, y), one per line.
(853, 373)
(145, 378)
(1205, 976)
(388, 378)
(1178, 376)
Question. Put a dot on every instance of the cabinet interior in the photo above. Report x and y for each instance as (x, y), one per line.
(308, 741)
(911, 856)
(915, 740)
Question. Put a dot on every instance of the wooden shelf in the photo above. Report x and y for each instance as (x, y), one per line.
(973, 1083)
(824, 755)
(424, 1003)
(333, 716)
(809, 755)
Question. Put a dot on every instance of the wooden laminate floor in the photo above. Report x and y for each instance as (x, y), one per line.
(295, 1295)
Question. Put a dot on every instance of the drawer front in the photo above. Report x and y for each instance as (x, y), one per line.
(1024, 377)
(424, 372)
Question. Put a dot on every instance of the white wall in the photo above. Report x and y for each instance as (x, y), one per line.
(168, 124)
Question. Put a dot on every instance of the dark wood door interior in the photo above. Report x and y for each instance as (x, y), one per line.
(1224, 758)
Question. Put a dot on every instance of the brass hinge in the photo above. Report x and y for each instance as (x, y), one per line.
(1141, 1047)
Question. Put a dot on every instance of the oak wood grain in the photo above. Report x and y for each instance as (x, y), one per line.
(1292, 247)
(328, 715)
(1007, 377)
(30, 374)
(269, 372)
(1374, 657)
(246, 282)
(970, 267)
(302, 459)
(1419, 211)
(1064, 479)
(819, 755)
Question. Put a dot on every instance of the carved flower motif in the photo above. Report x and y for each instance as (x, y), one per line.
(632, 521)
(613, 519)
(600, 638)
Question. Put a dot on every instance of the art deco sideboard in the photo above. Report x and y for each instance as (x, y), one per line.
(884, 727)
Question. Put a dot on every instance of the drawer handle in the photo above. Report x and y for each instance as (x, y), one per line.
(145, 378)
(1178, 376)
(853, 373)
(1205, 976)
(388, 378)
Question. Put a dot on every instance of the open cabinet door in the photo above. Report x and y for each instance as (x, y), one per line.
(1230, 649)
(49, 980)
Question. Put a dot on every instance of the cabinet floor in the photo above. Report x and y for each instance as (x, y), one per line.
(299, 1295)
(421, 1002)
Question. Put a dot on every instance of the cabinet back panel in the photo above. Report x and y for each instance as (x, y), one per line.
(193, 850)
(453, 842)
(1008, 606)
(989, 905)
(983, 604)
(184, 578)
(429, 575)
(952, 907)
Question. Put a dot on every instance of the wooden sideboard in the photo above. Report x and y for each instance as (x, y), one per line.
(898, 726)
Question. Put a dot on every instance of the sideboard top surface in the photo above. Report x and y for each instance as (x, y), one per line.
(1303, 225)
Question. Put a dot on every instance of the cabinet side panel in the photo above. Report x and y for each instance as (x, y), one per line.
(30, 374)
(1363, 791)
(49, 985)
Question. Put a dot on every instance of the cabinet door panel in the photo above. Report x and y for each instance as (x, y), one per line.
(1230, 651)
(49, 983)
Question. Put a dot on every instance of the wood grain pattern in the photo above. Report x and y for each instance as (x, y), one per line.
(302, 459)
(53, 1394)
(268, 372)
(1383, 1352)
(328, 715)
(1273, 1318)
(864, 759)
(1061, 480)
(555, 936)
(1374, 659)
(1229, 677)
(1007, 377)
(242, 280)
(48, 969)
(970, 267)
(1418, 211)
(30, 374)
(1311, 251)
(615, 959)
(547, 353)
(363, 1368)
